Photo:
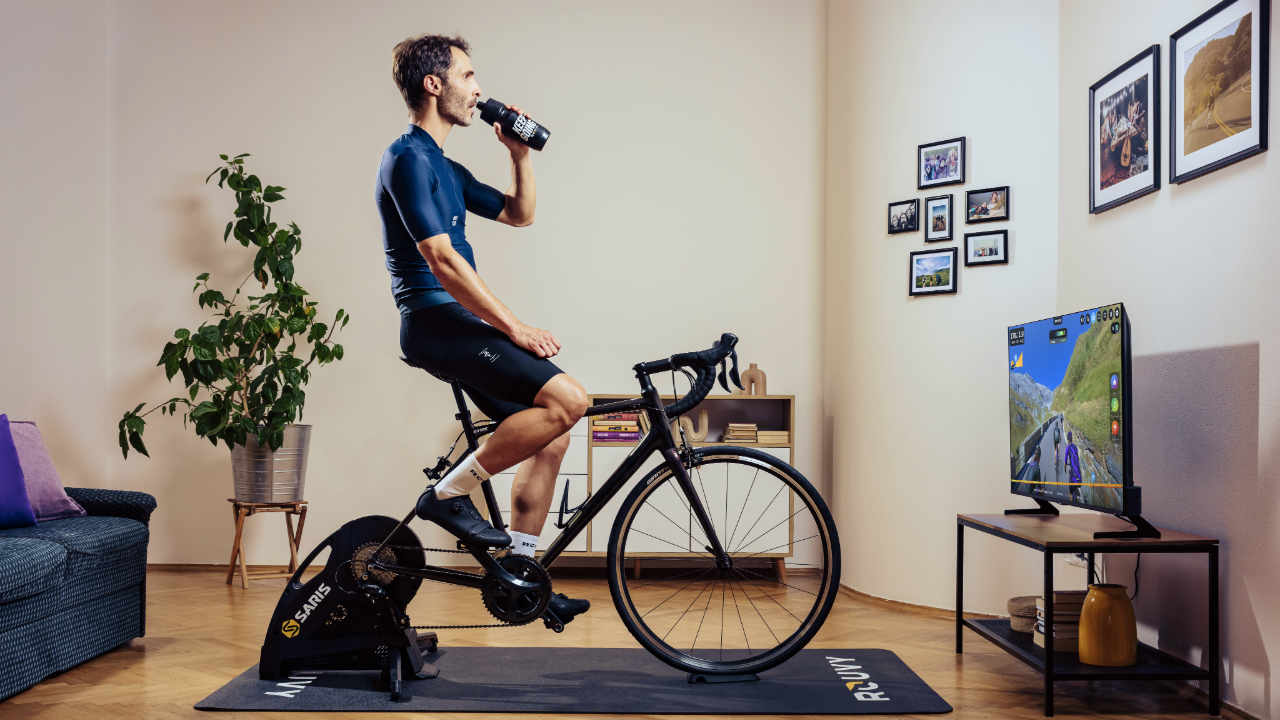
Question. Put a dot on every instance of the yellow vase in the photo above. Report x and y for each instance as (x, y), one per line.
(1108, 629)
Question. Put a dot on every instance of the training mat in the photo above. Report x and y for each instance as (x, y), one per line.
(598, 680)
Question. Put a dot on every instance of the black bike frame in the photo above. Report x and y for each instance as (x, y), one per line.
(659, 439)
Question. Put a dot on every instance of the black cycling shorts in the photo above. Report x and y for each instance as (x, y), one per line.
(500, 377)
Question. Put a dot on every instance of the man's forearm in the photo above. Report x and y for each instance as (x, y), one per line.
(461, 281)
(522, 195)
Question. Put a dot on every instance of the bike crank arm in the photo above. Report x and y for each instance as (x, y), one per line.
(695, 503)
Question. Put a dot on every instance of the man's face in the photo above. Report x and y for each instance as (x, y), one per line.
(459, 92)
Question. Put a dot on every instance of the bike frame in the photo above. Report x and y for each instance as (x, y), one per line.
(658, 440)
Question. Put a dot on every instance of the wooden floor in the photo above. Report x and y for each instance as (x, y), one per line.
(202, 633)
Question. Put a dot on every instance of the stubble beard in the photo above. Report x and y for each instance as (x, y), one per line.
(455, 107)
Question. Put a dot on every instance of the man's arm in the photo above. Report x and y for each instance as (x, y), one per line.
(461, 281)
(522, 195)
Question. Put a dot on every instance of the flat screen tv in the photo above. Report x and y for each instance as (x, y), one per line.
(1070, 411)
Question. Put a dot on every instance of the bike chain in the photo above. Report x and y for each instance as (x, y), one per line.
(452, 627)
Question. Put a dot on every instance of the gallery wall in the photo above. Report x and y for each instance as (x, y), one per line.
(657, 190)
(916, 396)
(1193, 264)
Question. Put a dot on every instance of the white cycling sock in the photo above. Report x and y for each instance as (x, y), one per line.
(522, 543)
(462, 479)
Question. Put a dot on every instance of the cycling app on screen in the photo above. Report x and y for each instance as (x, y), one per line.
(1065, 408)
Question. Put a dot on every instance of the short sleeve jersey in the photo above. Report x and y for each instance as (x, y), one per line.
(421, 194)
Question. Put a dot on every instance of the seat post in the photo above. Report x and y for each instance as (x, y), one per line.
(464, 416)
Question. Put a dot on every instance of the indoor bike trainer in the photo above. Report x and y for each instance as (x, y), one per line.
(352, 614)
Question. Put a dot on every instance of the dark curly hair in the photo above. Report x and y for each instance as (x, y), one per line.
(417, 57)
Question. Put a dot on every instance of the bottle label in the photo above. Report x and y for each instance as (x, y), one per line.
(524, 127)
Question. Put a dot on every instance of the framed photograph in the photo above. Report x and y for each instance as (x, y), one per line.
(986, 248)
(1218, 79)
(932, 272)
(940, 163)
(1124, 133)
(986, 205)
(903, 216)
(938, 218)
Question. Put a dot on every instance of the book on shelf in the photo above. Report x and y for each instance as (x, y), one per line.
(1066, 615)
(618, 416)
(1064, 597)
(1059, 644)
(628, 423)
(742, 426)
(632, 428)
(1068, 633)
(615, 436)
(773, 436)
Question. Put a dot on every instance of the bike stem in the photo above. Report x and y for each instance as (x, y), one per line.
(659, 418)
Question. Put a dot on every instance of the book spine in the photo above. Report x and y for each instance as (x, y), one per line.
(629, 423)
(632, 428)
(615, 436)
(619, 416)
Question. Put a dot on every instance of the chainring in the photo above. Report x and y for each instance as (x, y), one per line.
(360, 563)
(513, 608)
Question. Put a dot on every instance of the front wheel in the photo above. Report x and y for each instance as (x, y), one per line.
(745, 618)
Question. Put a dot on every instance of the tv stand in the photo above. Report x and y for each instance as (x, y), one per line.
(1046, 508)
(1144, 530)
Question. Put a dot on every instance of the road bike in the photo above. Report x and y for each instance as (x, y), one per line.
(719, 515)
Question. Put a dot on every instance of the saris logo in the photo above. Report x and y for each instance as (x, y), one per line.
(858, 682)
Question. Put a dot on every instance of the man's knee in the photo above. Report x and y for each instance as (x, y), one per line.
(565, 398)
(556, 448)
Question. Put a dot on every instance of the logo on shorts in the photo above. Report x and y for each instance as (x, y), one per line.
(455, 219)
(491, 357)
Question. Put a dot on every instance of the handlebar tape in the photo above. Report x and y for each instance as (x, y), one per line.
(704, 365)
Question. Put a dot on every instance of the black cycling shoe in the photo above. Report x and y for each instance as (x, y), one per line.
(566, 608)
(460, 517)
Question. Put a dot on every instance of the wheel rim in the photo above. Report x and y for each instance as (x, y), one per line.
(702, 617)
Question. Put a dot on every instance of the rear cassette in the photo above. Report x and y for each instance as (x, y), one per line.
(515, 607)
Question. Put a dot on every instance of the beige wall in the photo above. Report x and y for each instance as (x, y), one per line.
(915, 393)
(1194, 264)
(54, 248)
(661, 176)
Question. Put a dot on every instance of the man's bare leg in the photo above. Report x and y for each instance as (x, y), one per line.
(558, 406)
(534, 488)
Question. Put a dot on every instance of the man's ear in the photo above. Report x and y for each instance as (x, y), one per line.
(432, 85)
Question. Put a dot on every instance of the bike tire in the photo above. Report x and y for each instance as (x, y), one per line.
(825, 587)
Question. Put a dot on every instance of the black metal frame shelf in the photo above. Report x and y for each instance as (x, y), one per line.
(1067, 534)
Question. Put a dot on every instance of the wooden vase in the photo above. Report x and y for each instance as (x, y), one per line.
(1108, 628)
(753, 381)
(698, 435)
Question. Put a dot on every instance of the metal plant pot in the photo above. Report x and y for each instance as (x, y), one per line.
(263, 476)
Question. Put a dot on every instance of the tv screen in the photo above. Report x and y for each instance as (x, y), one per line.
(1069, 409)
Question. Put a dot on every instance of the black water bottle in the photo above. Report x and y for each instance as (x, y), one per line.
(513, 124)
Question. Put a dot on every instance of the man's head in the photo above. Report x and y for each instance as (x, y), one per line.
(436, 70)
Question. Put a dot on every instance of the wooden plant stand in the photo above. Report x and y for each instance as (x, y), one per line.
(242, 510)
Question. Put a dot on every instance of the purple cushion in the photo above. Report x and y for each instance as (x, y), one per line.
(15, 509)
(44, 487)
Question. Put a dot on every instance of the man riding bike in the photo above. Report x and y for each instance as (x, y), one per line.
(450, 322)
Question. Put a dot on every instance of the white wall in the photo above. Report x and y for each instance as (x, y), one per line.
(54, 250)
(1194, 265)
(661, 177)
(915, 387)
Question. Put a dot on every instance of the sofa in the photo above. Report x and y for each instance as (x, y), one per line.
(74, 588)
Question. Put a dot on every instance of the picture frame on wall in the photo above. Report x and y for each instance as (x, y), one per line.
(939, 218)
(1124, 133)
(986, 205)
(904, 216)
(1218, 88)
(940, 163)
(986, 248)
(932, 272)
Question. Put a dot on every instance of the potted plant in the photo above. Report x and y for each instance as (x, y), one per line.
(244, 369)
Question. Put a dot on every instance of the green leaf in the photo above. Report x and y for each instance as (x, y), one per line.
(273, 188)
(337, 351)
(215, 172)
(272, 197)
(202, 277)
(194, 389)
(182, 333)
(222, 178)
(140, 406)
(203, 348)
(253, 183)
(297, 325)
(136, 441)
(273, 324)
(227, 232)
(135, 424)
(345, 320)
(242, 155)
(342, 312)
(171, 366)
(224, 157)
(124, 443)
(317, 332)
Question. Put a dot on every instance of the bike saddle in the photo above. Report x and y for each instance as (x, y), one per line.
(432, 373)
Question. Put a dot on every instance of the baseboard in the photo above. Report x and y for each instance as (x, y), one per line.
(903, 607)
(1201, 698)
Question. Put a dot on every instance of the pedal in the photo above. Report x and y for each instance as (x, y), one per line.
(552, 622)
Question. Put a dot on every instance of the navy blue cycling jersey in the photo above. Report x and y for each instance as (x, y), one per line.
(421, 194)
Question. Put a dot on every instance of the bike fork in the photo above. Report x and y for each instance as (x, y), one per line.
(723, 561)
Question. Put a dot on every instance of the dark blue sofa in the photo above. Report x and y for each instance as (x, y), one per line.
(72, 589)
